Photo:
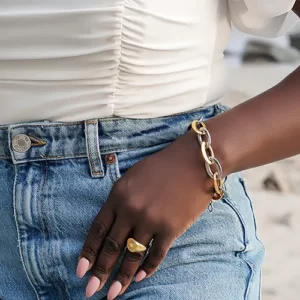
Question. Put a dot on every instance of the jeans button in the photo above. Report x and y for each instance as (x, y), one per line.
(21, 143)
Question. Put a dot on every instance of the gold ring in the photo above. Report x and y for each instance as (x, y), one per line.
(135, 246)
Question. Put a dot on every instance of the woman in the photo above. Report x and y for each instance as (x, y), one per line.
(95, 152)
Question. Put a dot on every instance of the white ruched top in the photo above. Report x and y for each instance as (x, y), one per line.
(69, 60)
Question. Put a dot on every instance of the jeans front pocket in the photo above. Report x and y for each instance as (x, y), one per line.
(127, 159)
(238, 198)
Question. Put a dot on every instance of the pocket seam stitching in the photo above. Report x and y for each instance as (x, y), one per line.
(240, 217)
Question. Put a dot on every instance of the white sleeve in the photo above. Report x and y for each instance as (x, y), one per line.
(268, 18)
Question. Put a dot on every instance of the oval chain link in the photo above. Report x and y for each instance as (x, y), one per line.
(207, 152)
(217, 164)
(209, 157)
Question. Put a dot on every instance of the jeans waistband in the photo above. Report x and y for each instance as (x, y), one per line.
(57, 140)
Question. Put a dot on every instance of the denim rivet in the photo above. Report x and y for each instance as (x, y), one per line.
(21, 143)
(110, 159)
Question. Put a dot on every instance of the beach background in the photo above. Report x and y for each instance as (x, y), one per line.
(274, 188)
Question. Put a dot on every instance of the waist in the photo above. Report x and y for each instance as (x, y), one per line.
(138, 96)
(38, 141)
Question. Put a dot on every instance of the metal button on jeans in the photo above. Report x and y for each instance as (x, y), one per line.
(21, 143)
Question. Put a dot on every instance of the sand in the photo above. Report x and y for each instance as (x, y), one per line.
(277, 213)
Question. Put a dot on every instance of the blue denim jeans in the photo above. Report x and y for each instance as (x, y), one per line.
(51, 192)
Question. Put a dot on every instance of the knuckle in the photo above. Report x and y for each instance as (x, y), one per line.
(131, 201)
(100, 229)
(149, 266)
(151, 217)
(124, 276)
(89, 249)
(111, 246)
(158, 254)
(99, 269)
(168, 228)
(133, 207)
(135, 257)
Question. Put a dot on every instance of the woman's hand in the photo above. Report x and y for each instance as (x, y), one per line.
(158, 198)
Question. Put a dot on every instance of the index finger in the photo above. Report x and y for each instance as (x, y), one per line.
(93, 243)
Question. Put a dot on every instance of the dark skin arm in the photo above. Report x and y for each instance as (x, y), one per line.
(259, 131)
(296, 8)
(271, 121)
(146, 203)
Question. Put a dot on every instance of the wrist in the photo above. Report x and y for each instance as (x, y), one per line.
(212, 164)
(220, 146)
(194, 150)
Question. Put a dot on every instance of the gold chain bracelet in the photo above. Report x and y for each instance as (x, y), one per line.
(204, 140)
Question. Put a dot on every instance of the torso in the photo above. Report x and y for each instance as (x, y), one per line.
(69, 60)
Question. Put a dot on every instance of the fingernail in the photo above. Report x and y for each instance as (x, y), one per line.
(82, 267)
(114, 290)
(140, 276)
(92, 286)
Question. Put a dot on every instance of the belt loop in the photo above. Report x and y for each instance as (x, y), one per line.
(93, 149)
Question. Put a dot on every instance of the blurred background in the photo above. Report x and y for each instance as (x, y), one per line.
(256, 64)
